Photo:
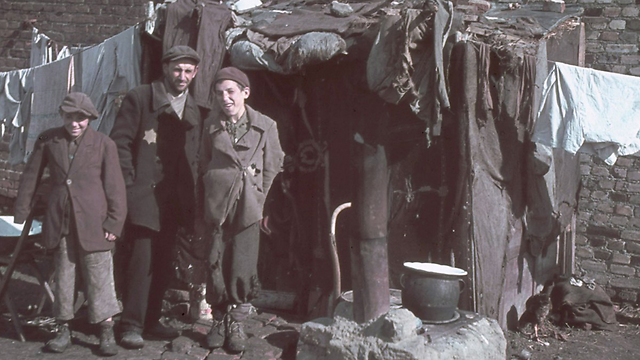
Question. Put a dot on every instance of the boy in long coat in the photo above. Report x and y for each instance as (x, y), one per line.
(240, 157)
(85, 214)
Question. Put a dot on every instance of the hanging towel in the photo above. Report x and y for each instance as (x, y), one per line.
(590, 111)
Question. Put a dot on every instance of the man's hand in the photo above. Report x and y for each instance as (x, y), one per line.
(264, 225)
(109, 236)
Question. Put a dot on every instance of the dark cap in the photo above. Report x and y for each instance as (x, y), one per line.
(77, 102)
(232, 73)
(181, 52)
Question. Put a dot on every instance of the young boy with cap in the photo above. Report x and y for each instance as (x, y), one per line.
(85, 213)
(240, 157)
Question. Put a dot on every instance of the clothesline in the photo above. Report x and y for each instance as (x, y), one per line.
(29, 98)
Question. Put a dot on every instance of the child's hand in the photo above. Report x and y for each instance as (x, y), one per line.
(109, 236)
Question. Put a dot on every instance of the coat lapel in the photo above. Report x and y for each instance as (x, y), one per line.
(59, 147)
(221, 141)
(85, 150)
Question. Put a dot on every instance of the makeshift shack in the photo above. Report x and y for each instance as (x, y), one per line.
(420, 113)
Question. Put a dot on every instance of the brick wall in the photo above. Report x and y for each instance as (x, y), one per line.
(67, 22)
(608, 241)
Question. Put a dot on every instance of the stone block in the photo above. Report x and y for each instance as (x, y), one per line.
(619, 220)
(601, 219)
(581, 240)
(553, 6)
(626, 283)
(618, 258)
(584, 253)
(394, 326)
(630, 11)
(594, 265)
(633, 188)
(198, 352)
(624, 161)
(622, 209)
(609, 36)
(603, 231)
(629, 37)
(615, 245)
(612, 12)
(170, 355)
(606, 184)
(630, 235)
(601, 254)
(182, 344)
(598, 195)
(632, 247)
(623, 270)
(622, 48)
(635, 71)
(600, 171)
(619, 172)
(635, 260)
(260, 349)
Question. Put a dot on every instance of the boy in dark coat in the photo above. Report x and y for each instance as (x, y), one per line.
(239, 158)
(85, 214)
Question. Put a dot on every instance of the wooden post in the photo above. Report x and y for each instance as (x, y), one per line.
(369, 257)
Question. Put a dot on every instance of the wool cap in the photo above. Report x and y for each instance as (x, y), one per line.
(181, 52)
(232, 73)
(80, 103)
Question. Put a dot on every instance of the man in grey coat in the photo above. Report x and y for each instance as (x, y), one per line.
(157, 132)
(240, 157)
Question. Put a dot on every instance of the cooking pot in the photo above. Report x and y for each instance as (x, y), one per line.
(431, 291)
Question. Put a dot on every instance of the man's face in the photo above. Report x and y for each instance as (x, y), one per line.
(231, 97)
(75, 123)
(179, 74)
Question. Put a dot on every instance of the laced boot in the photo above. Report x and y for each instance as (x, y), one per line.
(216, 336)
(108, 345)
(236, 338)
(62, 340)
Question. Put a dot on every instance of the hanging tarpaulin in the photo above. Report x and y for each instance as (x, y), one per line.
(590, 111)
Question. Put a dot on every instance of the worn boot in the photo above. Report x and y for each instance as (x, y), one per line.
(108, 345)
(236, 338)
(62, 340)
(216, 336)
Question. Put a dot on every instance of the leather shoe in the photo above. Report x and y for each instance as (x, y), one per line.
(131, 340)
(236, 337)
(161, 331)
(108, 345)
(216, 336)
(62, 340)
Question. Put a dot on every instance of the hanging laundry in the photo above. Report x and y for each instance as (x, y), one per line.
(200, 24)
(590, 111)
(107, 71)
(50, 87)
(15, 109)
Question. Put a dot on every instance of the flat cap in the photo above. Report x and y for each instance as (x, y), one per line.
(181, 52)
(80, 103)
(232, 73)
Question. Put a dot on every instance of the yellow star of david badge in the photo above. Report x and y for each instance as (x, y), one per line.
(149, 136)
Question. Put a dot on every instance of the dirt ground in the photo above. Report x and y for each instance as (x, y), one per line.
(623, 343)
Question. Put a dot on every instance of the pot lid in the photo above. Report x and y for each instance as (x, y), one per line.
(435, 268)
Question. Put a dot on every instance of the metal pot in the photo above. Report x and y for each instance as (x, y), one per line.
(431, 291)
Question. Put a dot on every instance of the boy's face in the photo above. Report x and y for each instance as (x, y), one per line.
(75, 123)
(231, 97)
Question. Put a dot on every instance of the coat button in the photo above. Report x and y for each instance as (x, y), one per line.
(69, 181)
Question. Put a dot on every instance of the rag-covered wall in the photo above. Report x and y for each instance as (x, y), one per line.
(608, 241)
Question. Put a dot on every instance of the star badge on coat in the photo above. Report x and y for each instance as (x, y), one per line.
(150, 136)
